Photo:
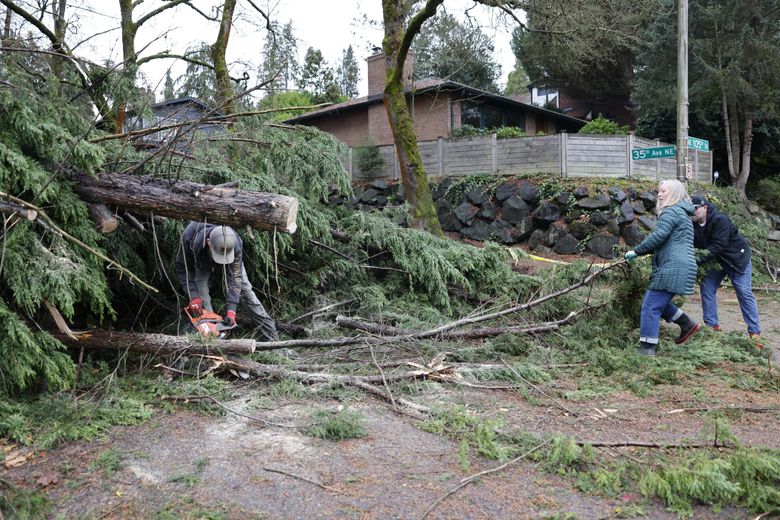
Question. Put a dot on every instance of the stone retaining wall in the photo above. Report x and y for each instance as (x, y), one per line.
(548, 216)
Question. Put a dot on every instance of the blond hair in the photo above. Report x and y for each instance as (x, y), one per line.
(676, 191)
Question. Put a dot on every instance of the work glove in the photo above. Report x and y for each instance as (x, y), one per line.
(230, 319)
(630, 256)
(196, 306)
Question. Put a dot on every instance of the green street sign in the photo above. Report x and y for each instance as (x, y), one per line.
(658, 152)
(698, 144)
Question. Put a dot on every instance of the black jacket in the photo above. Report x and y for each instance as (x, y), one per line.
(194, 253)
(720, 237)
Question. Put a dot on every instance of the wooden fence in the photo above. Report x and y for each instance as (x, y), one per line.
(569, 155)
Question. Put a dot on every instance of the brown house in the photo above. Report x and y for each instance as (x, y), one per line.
(437, 107)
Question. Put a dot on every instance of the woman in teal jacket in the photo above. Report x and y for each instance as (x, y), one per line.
(674, 266)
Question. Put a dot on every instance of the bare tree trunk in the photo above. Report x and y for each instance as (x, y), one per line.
(396, 44)
(225, 97)
(733, 138)
(747, 145)
(727, 130)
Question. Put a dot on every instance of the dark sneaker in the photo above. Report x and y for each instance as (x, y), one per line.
(646, 349)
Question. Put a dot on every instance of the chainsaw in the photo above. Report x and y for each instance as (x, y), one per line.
(209, 324)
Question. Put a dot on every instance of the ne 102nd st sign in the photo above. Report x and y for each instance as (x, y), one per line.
(658, 152)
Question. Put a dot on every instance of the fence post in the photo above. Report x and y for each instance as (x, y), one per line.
(440, 143)
(658, 164)
(629, 148)
(494, 150)
(349, 163)
(564, 154)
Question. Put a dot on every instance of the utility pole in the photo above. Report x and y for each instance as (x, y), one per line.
(682, 89)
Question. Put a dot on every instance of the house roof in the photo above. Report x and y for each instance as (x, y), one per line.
(187, 101)
(426, 86)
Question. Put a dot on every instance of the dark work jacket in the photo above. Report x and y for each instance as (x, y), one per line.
(720, 237)
(194, 255)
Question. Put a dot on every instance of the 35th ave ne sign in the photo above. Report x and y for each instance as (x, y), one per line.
(658, 152)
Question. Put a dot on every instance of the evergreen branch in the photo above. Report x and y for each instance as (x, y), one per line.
(212, 119)
(518, 308)
(85, 81)
(111, 263)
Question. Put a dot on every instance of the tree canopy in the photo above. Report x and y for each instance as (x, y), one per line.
(458, 51)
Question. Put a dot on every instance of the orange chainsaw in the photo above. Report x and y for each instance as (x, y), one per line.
(209, 324)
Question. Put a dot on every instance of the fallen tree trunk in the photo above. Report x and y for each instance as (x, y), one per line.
(191, 201)
(8, 208)
(157, 344)
(105, 220)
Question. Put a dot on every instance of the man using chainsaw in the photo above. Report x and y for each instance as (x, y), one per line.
(206, 248)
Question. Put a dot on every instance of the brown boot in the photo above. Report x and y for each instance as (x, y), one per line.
(757, 339)
(688, 328)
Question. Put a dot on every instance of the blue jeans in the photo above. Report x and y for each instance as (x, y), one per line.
(657, 304)
(743, 286)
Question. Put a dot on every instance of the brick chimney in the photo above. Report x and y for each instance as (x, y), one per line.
(377, 69)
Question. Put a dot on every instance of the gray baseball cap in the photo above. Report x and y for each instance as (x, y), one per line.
(222, 243)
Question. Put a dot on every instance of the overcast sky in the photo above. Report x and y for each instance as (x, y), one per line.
(330, 26)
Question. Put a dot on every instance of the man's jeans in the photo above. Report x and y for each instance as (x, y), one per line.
(260, 319)
(657, 304)
(743, 286)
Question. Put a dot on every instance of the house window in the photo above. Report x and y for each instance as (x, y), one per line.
(483, 115)
(492, 117)
(469, 114)
(514, 119)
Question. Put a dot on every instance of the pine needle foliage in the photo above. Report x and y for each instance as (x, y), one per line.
(338, 426)
(37, 138)
(49, 419)
(747, 477)
(471, 431)
(23, 504)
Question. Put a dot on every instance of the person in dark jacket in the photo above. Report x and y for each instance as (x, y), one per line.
(674, 266)
(730, 253)
(205, 248)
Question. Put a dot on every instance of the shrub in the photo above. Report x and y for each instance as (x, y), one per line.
(467, 131)
(767, 193)
(604, 126)
(506, 132)
(368, 159)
